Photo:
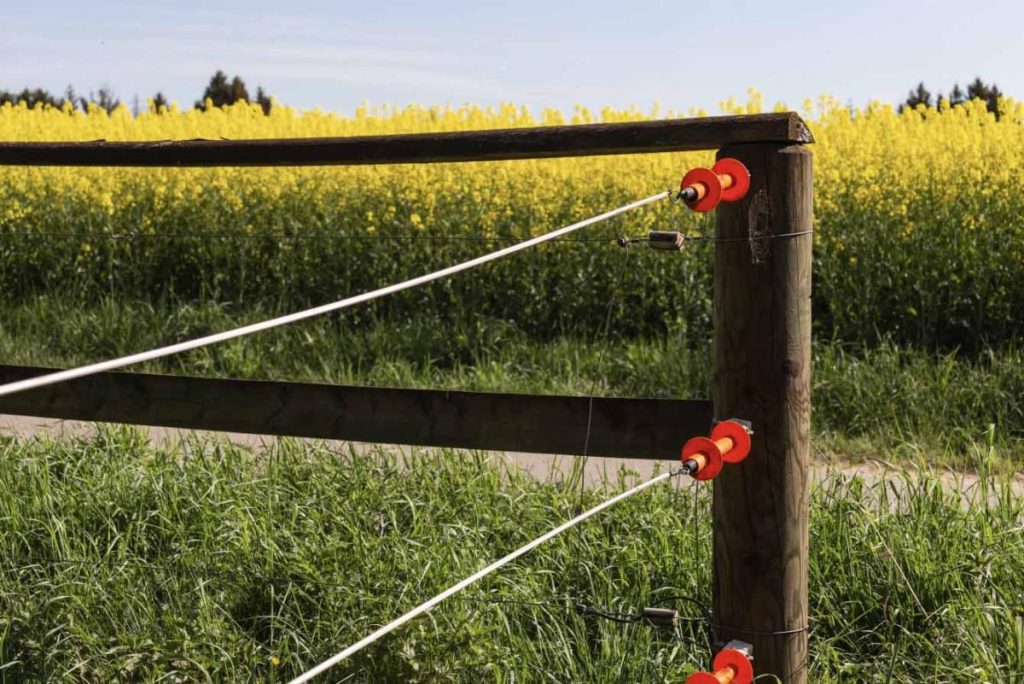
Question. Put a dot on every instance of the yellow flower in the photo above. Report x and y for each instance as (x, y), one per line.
(882, 160)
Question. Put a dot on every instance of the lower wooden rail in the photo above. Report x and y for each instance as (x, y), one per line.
(627, 428)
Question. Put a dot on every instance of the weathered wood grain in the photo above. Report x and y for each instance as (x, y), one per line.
(762, 371)
(706, 133)
(626, 428)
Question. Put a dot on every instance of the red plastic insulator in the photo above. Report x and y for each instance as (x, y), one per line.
(731, 667)
(708, 187)
(737, 432)
(735, 178)
(707, 455)
(729, 443)
(727, 181)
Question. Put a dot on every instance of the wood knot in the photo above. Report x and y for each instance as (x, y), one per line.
(759, 223)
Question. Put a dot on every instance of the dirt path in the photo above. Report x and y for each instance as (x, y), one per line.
(542, 466)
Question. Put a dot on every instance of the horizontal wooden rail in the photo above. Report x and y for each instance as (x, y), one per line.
(629, 428)
(705, 133)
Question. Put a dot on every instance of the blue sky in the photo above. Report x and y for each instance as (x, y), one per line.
(335, 55)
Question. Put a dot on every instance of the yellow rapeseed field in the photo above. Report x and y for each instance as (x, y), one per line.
(871, 155)
(917, 213)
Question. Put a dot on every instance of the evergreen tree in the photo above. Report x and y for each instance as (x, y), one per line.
(221, 91)
(989, 94)
(104, 99)
(976, 90)
(158, 102)
(31, 97)
(917, 96)
(263, 100)
(956, 95)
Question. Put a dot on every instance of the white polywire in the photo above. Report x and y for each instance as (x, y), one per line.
(424, 607)
(92, 369)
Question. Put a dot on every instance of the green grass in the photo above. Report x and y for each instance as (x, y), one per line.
(207, 562)
(889, 400)
(120, 561)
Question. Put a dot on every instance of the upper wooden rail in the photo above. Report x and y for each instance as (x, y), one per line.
(706, 133)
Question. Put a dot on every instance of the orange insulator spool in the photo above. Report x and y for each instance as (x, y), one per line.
(727, 181)
(735, 178)
(729, 443)
(733, 439)
(706, 454)
(731, 667)
(708, 187)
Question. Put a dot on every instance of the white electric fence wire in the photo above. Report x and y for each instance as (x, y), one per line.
(92, 369)
(424, 607)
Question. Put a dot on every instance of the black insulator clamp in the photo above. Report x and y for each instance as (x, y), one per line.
(671, 240)
(661, 617)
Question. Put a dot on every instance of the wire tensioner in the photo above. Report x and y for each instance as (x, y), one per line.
(703, 189)
(703, 457)
(731, 666)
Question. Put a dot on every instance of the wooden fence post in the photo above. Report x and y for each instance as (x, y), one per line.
(762, 372)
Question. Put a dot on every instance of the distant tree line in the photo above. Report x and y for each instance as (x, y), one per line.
(104, 98)
(223, 91)
(220, 91)
(976, 90)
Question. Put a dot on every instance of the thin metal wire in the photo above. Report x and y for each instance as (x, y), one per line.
(560, 601)
(395, 238)
(624, 618)
(563, 602)
(711, 634)
(587, 609)
(778, 236)
(708, 239)
(705, 617)
(82, 235)
(759, 632)
(620, 282)
(34, 561)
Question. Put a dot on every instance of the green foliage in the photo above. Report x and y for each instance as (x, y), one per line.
(556, 289)
(919, 402)
(124, 562)
(949, 276)
(929, 280)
